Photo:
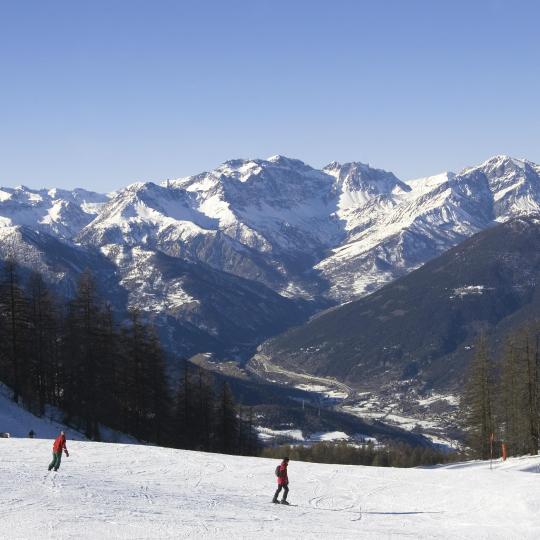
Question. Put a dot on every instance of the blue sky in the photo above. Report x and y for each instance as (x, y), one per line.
(104, 93)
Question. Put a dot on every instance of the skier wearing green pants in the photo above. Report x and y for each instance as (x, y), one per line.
(58, 445)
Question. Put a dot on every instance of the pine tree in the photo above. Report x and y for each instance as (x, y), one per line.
(511, 415)
(204, 429)
(227, 434)
(15, 329)
(134, 350)
(159, 414)
(478, 399)
(42, 361)
(531, 394)
(183, 418)
(82, 356)
(519, 389)
(111, 387)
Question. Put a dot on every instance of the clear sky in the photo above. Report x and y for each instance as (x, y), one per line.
(100, 94)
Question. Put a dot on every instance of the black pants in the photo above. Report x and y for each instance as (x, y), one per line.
(285, 488)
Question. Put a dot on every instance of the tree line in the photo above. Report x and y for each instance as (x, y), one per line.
(72, 354)
(345, 453)
(501, 399)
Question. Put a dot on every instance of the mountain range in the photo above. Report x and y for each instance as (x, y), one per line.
(228, 258)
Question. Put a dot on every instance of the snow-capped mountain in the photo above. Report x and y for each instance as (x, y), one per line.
(435, 214)
(60, 212)
(271, 221)
(276, 228)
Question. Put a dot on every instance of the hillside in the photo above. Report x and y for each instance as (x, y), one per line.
(18, 422)
(421, 328)
(124, 492)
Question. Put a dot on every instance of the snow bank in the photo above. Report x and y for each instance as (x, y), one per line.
(122, 491)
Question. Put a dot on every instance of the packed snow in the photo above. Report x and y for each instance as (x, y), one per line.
(121, 491)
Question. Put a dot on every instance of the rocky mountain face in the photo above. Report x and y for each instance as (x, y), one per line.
(232, 256)
(418, 224)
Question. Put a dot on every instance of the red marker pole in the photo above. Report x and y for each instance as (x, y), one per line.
(491, 451)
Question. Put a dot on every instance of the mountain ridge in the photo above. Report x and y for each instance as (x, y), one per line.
(317, 237)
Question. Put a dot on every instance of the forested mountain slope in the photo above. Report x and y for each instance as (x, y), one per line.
(422, 327)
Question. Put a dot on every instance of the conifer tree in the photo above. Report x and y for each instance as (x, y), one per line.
(183, 418)
(204, 429)
(478, 400)
(531, 391)
(82, 355)
(42, 360)
(159, 414)
(15, 327)
(227, 434)
(111, 388)
(510, 391)
(134, 350)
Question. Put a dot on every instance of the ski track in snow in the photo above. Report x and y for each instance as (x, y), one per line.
(140, 492)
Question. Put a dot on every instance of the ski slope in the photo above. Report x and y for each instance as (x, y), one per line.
(108, 490)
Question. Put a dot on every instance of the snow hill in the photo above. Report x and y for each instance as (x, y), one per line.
(118, 491)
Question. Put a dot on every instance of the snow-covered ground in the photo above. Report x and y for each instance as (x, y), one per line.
(129, 491)
(419, 418)
(297, 435)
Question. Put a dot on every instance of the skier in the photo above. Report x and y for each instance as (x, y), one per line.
(283, 481)
(58, 445)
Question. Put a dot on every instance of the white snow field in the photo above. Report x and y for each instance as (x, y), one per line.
(106, 490)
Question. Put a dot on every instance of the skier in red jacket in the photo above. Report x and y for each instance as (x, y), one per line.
(58, 445)
(283, 481)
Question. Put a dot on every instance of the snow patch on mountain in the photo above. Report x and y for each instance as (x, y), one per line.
(469, 290)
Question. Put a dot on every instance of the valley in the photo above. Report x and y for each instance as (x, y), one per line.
(434, 416)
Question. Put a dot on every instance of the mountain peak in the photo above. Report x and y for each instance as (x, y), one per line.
(498, 162)
(332, 166)
(285, 161)
(361, 176)
(356, 165)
